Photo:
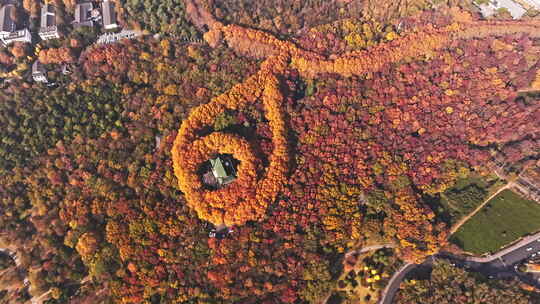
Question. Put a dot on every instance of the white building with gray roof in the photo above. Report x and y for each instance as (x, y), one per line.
(83, 14)
(48, 28)
(109, 15)
(8, 28)
(39, 74)
(7, 25)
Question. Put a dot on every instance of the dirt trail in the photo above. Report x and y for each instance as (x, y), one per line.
(465, 219)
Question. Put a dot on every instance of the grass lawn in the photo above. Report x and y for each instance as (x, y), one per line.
(504, 219)
(462, 198)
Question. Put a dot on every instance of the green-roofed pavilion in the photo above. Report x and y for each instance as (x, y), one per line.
(219, 171)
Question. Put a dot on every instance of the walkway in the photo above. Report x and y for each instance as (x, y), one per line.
(369, 248)
(393, 285)
(466, 218)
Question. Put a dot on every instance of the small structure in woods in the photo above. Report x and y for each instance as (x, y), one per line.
(48, 28)
(220, 172)
(220, 231)
(39, 72)
(83, 14)
(109, 15)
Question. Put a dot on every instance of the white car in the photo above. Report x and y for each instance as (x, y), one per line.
(529, 249)
(533, 255)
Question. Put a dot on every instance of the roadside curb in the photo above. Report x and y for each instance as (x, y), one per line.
(384, 293)
(523, 241)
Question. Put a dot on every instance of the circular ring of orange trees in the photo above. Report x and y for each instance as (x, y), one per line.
(225, 198)
(255, 187)
(252, 192)
(248, 198)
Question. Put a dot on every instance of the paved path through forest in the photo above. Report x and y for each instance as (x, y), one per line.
(393, 285)
(370, 248)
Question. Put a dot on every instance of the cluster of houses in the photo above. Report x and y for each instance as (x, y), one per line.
(85, 15)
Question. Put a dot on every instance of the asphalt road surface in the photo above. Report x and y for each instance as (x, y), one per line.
(502, 267)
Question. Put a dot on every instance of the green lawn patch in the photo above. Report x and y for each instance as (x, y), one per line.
(504, 219)
(463, 197)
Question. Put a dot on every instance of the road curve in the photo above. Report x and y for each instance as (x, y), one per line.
(499, 265)
(393, 285)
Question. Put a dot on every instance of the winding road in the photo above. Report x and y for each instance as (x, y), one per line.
(496, 266)
(502, 264)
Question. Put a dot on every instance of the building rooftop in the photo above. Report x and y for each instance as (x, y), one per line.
(218, 169)
(48, 16)
(222, 171)
(109, 14)
(83, 13)
(37, 68)
(6, 23)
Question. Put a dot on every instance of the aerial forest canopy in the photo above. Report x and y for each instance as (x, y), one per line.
(331, 124)
(245, 200)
